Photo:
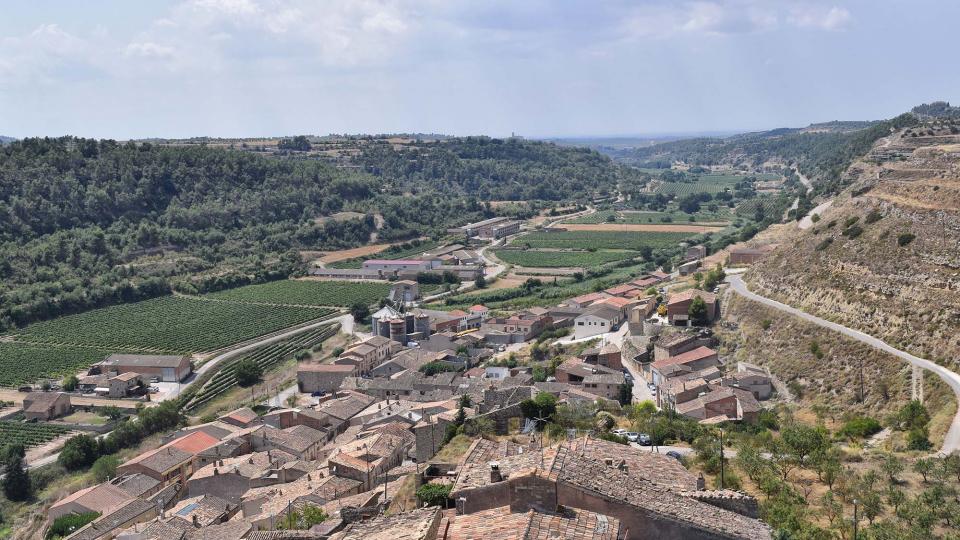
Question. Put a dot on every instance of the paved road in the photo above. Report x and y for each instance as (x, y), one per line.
(807, 221)
(951, 442)
(346, 326)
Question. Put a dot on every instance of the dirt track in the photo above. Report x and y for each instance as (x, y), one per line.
(638, 227)
(345, 254)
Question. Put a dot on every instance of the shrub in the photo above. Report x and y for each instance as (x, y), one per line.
(815, 350)
(765, 324)
(64, 526)
(105, 467)
(432, 368)
(80, 451)
(853, 231)
(859, 427)
(905, 239)
(434, 494)
(247, 372)
(70, 383)
(850, 221)
(919, 439)
(825, 244)
(873, 217)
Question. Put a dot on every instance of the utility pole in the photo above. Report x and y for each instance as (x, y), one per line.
(861, 380)
(721, 458)
(855, 519)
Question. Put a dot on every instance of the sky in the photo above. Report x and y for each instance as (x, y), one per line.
(537, 68)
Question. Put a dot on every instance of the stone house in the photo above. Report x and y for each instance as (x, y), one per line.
(46, 405)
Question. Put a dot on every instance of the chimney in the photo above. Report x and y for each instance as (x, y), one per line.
(495, 475)
(196, 521)
(701, 483)
(216, 471)
(608, 461)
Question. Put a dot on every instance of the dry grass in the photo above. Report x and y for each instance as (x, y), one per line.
(344, 254)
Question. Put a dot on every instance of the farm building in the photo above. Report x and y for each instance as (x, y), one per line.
(494, 228)
(404, 292)
(678, 306)
(167, 368)
(597, 320)
(46, 405)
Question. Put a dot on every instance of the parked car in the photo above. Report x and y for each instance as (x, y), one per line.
(619, 431)
(153, 389)
(643, 439)
(652, 387)
(631, 436)
(319, 393)
(676, 455)
(154, 379)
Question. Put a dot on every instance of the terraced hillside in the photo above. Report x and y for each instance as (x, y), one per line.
(885, 258)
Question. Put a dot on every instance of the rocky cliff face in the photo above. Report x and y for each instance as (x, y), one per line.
(885, 258)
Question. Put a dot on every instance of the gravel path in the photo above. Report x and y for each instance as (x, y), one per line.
(951, 442)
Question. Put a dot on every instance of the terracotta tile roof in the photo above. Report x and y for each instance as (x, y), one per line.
(478, 307)
(135, 484)
(591, 475)
(106, 524)
(589, 297)
(616, 302)
(690, 294)
(418, 524)
(347, 407)
(195, 442)
(699, 353)
(659, 469)
(626, 288)
(162, 459)
(502, 524)
(101, 498)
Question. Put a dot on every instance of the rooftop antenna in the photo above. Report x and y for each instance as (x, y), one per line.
(540, 419)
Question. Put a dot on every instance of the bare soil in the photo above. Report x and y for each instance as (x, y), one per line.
(342, 255)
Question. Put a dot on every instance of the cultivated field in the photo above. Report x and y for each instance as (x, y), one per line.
(398, 251)
(704, 217)
(708, 183)
(559, 259)
(169, 324)
(638, 227)
(266, 357)
(600, 240)
(29, 434)
(23, 363)
(355, 253)
(308, 292)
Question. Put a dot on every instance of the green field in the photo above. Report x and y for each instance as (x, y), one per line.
(394, 252)
(266, 357)
(308, 293)
(709, 183)
(29, 434)
(22, 363)
(169, 324)
(557, 259)
(600, 239)
(639, 217)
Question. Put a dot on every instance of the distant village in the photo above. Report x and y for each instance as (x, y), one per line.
(379, 414)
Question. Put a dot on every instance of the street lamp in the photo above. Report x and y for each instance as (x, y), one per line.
(721, 457)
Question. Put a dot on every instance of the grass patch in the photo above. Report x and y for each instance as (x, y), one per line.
(601, 240)
(308, 292)
(559, 259)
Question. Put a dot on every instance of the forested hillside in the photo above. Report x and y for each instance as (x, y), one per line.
(822, 152)
(86, 223)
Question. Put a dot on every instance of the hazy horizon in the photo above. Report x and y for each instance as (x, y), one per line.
(258, 68)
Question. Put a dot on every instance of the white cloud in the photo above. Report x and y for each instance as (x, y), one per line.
(819, 17)
(148, 50)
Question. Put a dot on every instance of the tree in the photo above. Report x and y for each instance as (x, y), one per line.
(434, 494)
(923, 467)
(912, 415)
(70, 383)
(543, 405)
(112, 412)
(698, 312)
(360, 312)
(802, 441)
(247, 372)
(105, 467)
(604, 421)
(892, 466)
(16, 481)
(480, 282)
(78, 452)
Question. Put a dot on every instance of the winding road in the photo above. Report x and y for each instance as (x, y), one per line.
(951, 441)
(346, 327)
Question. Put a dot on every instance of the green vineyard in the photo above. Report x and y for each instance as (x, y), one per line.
(266, 357)
(169, 324)
(559, 259)
(23, 363)
(29, 434)
(308, 293)
(637, 217)
(600, 240)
